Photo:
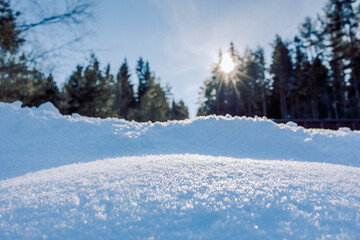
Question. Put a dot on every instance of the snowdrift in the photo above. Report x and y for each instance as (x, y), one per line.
(35, 139)
(207, 178)
(183, 197)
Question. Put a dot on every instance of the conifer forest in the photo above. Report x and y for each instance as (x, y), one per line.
(315, 75)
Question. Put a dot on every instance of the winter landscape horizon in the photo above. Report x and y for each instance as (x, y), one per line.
(168, 119)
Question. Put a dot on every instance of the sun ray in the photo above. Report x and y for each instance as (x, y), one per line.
(227, 64)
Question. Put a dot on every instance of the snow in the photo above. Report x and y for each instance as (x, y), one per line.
(32, 139)
(182, 197)
(207, 178)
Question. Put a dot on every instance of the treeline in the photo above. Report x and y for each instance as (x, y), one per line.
(315, 76)
(93, 92)
(89, 91)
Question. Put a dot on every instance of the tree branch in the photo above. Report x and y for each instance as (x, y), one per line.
(73, 15)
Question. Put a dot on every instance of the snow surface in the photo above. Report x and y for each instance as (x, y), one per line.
(32, 139)
(208, 178)
(182, 197)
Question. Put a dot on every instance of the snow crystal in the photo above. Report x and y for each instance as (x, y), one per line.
(182, 197)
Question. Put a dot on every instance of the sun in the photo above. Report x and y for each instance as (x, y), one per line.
(227, 65)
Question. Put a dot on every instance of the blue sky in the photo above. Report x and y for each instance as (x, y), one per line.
(181, 38)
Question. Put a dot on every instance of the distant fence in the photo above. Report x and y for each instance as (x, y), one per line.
(334, 124)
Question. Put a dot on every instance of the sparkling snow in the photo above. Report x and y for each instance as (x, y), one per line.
(32, 139)
(159, 181)
(182, 197)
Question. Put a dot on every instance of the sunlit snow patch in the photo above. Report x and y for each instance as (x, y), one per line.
(183, 197)
(32, 139)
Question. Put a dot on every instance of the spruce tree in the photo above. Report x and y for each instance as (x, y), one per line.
(10, 39)
(14, 74)
(41, 90)
(281, 68)
(320, 75)
(254, 67)
(88, 92)
(178, 111)
(153, 105)
(224, 93)
(241, 92)
(207, 98)
(124, 93)
(299, 94)
(352, 53)
(72, 93)
(89, 89)
(261, 80)
(103, 98)
(144, 75)
(339, 27)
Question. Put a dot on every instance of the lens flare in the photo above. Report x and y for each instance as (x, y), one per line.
(227, 65)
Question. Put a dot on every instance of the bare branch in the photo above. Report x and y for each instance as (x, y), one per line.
(49, 51)
(72, 15)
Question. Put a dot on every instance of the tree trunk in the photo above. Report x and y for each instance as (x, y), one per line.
(357, 94)
(264, 101)
(314, 102)
(283, 104)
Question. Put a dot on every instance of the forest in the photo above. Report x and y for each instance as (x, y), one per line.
(314, 76)
(90, 90)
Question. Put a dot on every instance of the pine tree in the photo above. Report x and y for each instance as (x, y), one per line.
(124, 93)
(88, 92)
(10, 39)
(89, 89)
(153, 105)
(242, 92)
(13, 71)
(262, 82)
(249, 82)
(319, 74)
(339, 17)
(144, 75)
(103, 98)
(207, 98)
(179, 111)
(214, 93)
(311, 38)
(310, 69)
(222, 93)
(41, 90)
(257, 86)
(281, 67)
(298, 88)
(352, 54)
(72, 93)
